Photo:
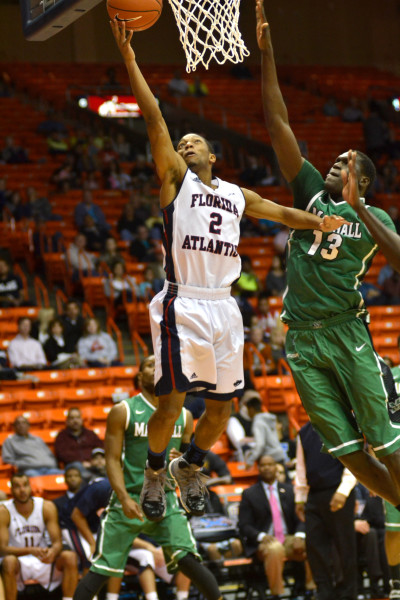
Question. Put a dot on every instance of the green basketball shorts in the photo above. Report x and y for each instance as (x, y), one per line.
(392, 517)
(340, 382)
(117, 532)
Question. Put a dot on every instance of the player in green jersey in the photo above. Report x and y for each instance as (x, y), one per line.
(329, 349)
(126, 453)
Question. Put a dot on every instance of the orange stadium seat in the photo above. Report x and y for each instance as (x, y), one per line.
(8, 402)
(48, 486)
(35, 419)
(95, 415)
(90, 377)
(242, 475)
(54, 418)
(5, 485)
(122, 375)
(52, 379)
(47, 435)
(38, 399)
(110, 394)
(78, 397)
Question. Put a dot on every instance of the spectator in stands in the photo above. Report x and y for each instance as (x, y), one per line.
(269, 527)
(142, 247)
(97, 465)
(59, 349)
(39, 207)
(330, 108)
(15, 208)
(51, 123)
(371, 294)
(115, 178)
(40, 327)
(13, 154)
(110, 255)
(391, 289)
(265, 435)
(65, 177)
(97, 348)
(73, 481)
(154, 222)
(128, 223)
(73, 321)
(376, 135)
(277, 340)
(74, 444)
(93, 234)
(79, 259)
(325, 501)
(145, 289)
(88, 207)
(252, 363)
(352, 112)
(177, 86)
(280, 241)
(119, 286)
(56, 143)
(256, 172)
(275, 282)
(142, 172)
(264, 316)
(30, 544)
(122, 147)
(110, 82)
(198, 88)
(28, 453)
(24, 352)
(239, 426)
(107, 153)
(4, 194)
(157, 265)
(248, 283)
(11, 286)
(216, 470)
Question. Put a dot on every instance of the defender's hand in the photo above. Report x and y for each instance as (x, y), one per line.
(263, 32)
(332, 222)
(350, 191)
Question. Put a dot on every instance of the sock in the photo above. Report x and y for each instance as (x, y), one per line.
(182, 595)
(151, 596)
(112, 596)
(394, 571)
(195, 455)
(156, 460)
(66, 598)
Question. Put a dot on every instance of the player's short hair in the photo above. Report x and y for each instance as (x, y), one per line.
(18, 475)
(367, 167)
(254, 403)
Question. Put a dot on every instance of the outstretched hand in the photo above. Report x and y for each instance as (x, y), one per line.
(123, 39)
(350, 191)
(332, 222)
(262, 25)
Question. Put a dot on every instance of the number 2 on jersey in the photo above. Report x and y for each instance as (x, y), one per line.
(216, 220)
(327, 253)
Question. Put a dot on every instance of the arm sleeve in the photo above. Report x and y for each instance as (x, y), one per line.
(347, 484)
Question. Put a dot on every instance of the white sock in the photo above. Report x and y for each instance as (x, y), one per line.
(152, 596)
(66, 598)
(111, 596)
(182, 595)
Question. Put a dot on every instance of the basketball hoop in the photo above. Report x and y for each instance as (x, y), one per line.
(209, 29)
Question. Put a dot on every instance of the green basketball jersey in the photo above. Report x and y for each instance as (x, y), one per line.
(325, 270)
(396, 377)
(139, 411)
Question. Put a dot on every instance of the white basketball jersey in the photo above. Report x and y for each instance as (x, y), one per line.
(201, 233)
(27, 532)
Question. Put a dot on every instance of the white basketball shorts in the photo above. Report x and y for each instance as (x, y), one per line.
(198, 341)
(31, 567)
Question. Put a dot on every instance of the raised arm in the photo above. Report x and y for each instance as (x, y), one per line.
(387, 240)
(170, 166)
(113, 445)
(276, 117)
(260, 208)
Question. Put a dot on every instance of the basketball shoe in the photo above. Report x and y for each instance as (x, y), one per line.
(394, 589)
(191, 483)
(152, 497)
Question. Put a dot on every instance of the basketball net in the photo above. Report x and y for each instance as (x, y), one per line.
(209, 29)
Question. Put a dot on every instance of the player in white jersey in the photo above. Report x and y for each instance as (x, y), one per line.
(30, 543)
(196, 325)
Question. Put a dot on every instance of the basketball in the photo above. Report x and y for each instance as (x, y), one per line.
(136, 14)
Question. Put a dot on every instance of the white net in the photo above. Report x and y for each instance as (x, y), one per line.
(209, 29)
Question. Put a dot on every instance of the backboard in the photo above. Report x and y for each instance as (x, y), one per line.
(43, 18)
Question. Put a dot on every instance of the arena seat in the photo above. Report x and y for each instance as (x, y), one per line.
(38, 399)
(95, 415)
(90, 378)
(8, 402)
(53, 380)
(48, 486)
(122, 376)
(71, 397)
(242, 475)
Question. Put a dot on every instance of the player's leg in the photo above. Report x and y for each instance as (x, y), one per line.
(67, 563)
(10, 569)
(113, 588)
(89, 586)
(186, 469)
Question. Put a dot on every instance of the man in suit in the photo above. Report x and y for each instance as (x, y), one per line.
(269, 527)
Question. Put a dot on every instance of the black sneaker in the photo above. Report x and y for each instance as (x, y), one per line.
(394, 589)
(152, 496)
(191, 483)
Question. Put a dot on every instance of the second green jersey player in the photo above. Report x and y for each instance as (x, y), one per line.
(122, 520)
(329, 349)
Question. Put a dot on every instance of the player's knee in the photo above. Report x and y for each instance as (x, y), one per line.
(67, 560)
(169, 410)
(10, 565)
(219, 413)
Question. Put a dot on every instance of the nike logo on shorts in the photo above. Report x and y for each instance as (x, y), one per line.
(358, 348)
(139, 412)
